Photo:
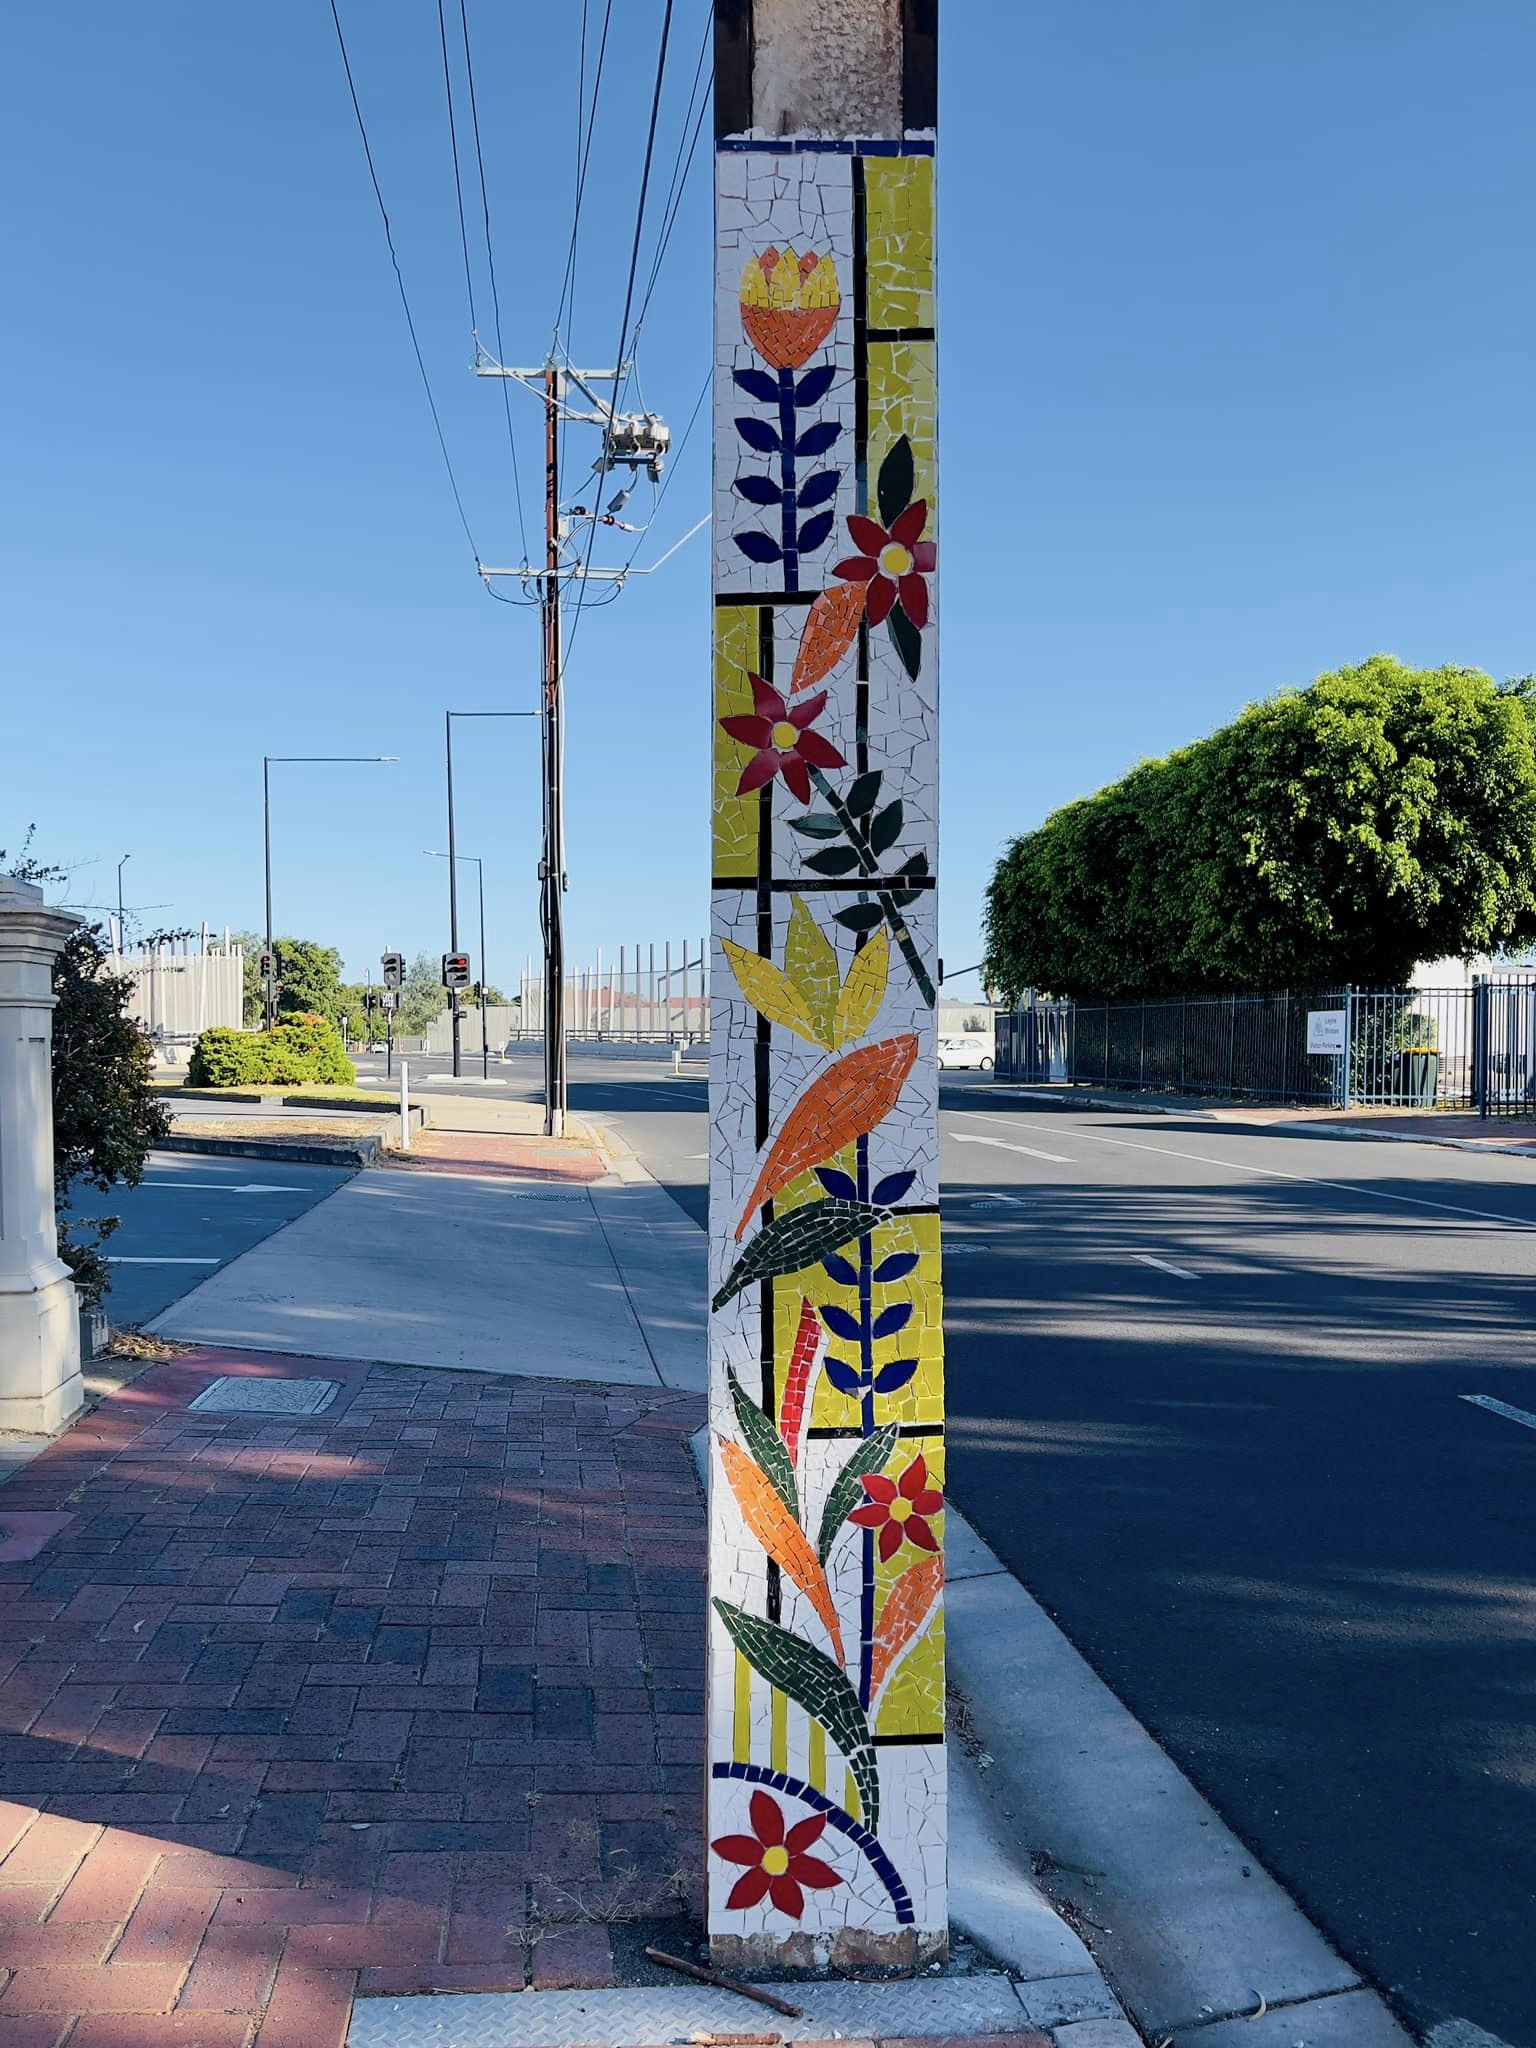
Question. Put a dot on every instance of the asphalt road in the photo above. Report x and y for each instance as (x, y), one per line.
(190, 1215)
(1216, 1420)
(1209, 1399)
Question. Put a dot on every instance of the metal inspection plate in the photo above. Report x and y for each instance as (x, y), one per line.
(238, 1395)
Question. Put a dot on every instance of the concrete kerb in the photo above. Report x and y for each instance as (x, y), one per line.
(349, 1152)
(1084, 1101)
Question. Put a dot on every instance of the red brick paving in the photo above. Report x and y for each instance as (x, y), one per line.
(388, 1698)
(499, 1153)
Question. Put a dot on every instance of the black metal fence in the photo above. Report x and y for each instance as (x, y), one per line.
(1472, 1047)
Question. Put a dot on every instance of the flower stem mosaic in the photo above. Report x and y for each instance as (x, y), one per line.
(826, 1797)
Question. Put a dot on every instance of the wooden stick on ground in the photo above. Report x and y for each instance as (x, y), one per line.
(724, 1983)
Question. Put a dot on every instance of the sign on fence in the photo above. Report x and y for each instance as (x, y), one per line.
(1327, 1031)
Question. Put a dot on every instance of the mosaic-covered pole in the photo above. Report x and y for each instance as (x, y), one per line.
(826, 1821)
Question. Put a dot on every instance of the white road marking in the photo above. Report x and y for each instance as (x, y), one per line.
(1310, 1180)
(1500, 1408)
(121, 1259)
(1003, 1145)
(225, 1187)
(1162, 1265)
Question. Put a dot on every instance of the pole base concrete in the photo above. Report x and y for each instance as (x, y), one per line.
(849, 1948)
(40, 1385)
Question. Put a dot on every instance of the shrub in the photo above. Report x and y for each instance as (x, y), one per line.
(105, 1115)
(308, 1049)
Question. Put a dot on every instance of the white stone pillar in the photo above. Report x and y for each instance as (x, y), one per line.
(40, 1384)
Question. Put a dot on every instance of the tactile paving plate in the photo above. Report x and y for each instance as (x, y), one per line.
(239, 1395)
(640, 2017)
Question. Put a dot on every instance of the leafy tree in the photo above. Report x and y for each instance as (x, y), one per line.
(308, 977)
(423, 997)
(1383, 816)
(105, 1113)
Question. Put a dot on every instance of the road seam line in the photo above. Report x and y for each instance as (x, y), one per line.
(1342, 1187)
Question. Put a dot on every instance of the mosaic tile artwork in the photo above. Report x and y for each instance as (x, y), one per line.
(827, 1791)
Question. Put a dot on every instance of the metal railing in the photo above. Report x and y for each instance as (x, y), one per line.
(651, 995)
(1471, 1048)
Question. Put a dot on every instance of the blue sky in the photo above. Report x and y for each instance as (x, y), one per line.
(1236, 312)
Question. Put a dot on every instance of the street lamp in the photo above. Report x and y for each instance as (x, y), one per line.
(122, 943)
(269, 999)
(451, 857)
(485, 1054)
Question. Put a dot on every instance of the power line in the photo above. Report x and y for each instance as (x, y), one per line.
(458, 182)
(490, 264)
(405, 304)
(584, 154)
(629, 288)
(676, 185)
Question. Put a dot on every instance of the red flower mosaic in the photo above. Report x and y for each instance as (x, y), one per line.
(785, 744)
(892, 562)
(778, 1867)
(901, 1509)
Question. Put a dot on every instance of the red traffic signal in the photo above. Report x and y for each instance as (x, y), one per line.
(455, 970)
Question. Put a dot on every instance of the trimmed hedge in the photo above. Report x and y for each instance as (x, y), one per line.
(307, 1049)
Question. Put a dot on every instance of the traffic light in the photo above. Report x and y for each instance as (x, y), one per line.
(455, 970)
(394, 970)
(264, 966)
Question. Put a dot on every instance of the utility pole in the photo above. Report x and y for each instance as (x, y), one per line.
(635, 441)
(825, 137)
(552, 862)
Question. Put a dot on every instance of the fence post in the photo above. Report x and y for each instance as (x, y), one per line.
(1285, 1041)
(1231, 1042)
(1349, 1040)
(1183, 1036)
(1141, 1061)
(1480, 1045)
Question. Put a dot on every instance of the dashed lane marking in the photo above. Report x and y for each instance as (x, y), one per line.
(1162, 1265)
(1006, 1145)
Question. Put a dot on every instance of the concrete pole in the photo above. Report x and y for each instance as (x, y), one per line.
(40, 1384)
(825, 1710)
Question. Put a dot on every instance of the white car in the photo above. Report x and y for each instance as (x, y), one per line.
(964, 1052)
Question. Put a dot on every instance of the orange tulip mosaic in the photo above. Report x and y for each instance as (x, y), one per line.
(826, 1705)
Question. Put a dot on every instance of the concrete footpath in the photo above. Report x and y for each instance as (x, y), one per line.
(362, 1708)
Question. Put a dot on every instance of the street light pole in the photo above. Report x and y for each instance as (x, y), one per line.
(269, 1004)
(485, 1050)
(453, 859)
(453, 887)
(269, 979)
(122, 943)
